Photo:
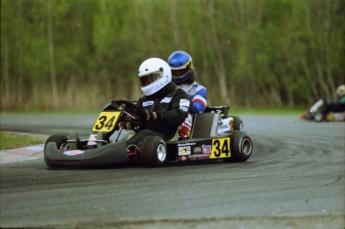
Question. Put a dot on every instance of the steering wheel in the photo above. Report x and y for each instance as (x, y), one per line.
(133, 110)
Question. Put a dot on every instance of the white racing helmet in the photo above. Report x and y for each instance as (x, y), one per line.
(154, 74)
(341, 91)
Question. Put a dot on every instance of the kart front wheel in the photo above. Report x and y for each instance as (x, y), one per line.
(59, 140)
(153, 152)
(241, 147)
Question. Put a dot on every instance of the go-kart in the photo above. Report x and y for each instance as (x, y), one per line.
(315, 113)
(214, 135)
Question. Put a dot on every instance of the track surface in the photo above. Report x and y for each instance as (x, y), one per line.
(294, 179)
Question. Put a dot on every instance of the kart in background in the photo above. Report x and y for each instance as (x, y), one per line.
(315, 114)
(214, 135)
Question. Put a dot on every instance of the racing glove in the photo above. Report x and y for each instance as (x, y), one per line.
(184, 131)
(185, 128)
(146, 115)
(142, 116)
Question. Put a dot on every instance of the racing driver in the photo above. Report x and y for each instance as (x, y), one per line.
(164, 105)
(182, 69)
(335, 106)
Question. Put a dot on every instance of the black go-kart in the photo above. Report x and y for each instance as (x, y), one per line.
(315, 113)
(214, 135)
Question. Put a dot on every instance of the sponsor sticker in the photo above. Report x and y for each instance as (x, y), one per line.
(223, 127)
(184, 150)
(184, 158)
(197, 150)
(185, 109)
(206, 148)
(201, 155)
(73, 152)
(184, 103)
(186, 144)
(147, 103)
(166, 100)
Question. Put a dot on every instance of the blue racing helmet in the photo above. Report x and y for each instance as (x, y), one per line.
(181, 64)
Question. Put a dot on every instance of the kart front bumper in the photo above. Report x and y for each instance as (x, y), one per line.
(111, 154)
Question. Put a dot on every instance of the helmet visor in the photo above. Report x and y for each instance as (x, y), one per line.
(148, 79)
(179, 72)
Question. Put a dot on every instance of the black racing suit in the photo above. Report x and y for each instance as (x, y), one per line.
(171, 105)
(334, 106)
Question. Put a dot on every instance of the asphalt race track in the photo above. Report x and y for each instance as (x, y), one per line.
(295, 179)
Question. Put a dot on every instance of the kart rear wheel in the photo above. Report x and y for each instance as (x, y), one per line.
(153, 152)
(59, 140)
(238, 123)
(241, 147)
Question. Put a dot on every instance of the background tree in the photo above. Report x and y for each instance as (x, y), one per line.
(77, 54)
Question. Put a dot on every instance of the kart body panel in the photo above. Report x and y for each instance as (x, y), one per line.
(199, 149)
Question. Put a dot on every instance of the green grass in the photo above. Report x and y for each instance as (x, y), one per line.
(61, 111)
(13, 141)
(267, 111)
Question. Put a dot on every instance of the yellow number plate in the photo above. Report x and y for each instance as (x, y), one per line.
(220, 148)
(106, 121)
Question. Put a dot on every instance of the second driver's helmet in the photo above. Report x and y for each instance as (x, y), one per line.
(181, 64)
(154, 74)
(341, 91)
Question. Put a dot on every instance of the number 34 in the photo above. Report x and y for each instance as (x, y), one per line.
(106, 121)
(220, 148)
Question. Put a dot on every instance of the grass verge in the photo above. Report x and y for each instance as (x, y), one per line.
(266, 111)
(10, 140)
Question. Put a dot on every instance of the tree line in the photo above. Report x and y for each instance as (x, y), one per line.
(78, 54)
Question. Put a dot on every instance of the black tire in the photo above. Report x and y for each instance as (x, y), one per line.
(238, 123)
(58, 139)
(241, 147)
(153, 152)
(318, 117)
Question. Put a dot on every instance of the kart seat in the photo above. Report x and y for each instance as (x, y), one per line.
(205, 125)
